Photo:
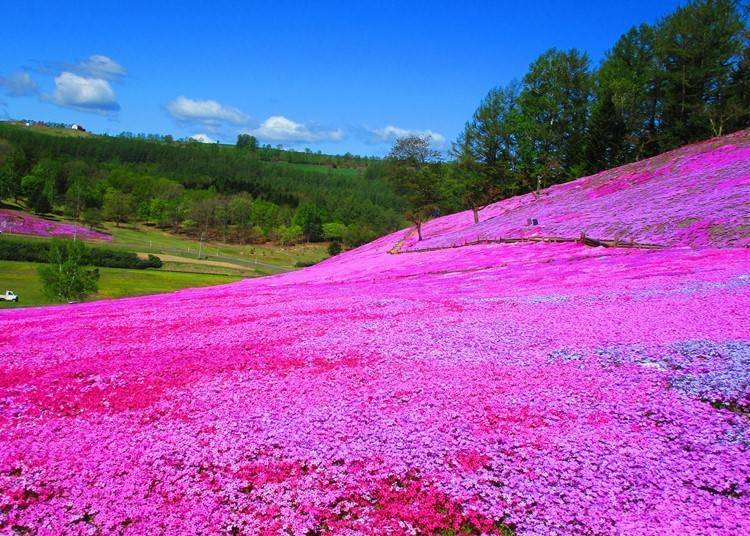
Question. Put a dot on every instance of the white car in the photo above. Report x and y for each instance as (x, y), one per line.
(9, 296)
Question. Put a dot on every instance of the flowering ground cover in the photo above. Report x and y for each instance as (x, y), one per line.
(527, 388)
(14, 221)
(696, 196)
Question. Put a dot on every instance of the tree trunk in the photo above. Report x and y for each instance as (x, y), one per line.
(475, 210)
(419, 231)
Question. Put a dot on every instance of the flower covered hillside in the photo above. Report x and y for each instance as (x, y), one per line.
(520, 388)
(17, 222)
(694, 196)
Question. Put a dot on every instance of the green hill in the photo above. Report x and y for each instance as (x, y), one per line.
(236, 194)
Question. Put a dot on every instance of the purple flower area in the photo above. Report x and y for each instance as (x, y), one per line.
(12, 221)
(718, 373)
(535, 388)
(713, 372)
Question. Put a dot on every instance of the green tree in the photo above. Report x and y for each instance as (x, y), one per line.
(289, 234)
(554, 104)
(77, 175)
(92, 217)
(356, 235)
(309, 218)
(700, 49)
(39, 185)
(11, 165)
(414, 169)
(334, 231)
(738, 101)
(485, 150)
(246, 141)
(606, 144)
(241, 210)
(626, 108)
(118, 206)
(65, 277)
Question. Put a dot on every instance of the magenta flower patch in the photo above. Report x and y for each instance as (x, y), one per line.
(535, 388)
(12, 221)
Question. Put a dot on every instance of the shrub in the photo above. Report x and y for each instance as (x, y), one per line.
(334, 248)
(289, 235)
(334, 231)
(18, 249)
(12, 249)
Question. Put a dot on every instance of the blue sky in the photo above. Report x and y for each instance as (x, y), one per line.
(334, 76)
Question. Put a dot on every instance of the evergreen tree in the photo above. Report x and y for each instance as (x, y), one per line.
(11, 166)
(39, 185)
(738, 99)
(699, 47)
(606, 145)
(555, 105)
(485, 149)
(629, 78)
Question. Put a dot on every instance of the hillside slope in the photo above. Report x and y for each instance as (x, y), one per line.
(528, 388)
(173, 183)
(17, 222)
(694, 196)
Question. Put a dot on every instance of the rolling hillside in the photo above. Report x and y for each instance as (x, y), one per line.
(439, 387)
(18, 222)
(193, 187)
(694, 196)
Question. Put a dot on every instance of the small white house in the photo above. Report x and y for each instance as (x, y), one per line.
(75, 126)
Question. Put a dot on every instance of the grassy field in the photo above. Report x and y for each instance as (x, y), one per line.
(246, 260)
(55, 131)
(23, 279)
(181, 252)
(218, 263)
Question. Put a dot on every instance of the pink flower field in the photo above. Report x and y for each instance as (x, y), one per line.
(497, 388)
(697, 196)
(16, 222)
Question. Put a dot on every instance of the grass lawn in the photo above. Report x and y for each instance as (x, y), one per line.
(266, 258)
(245, 260)
(219, 263)
(23, 279)
(55, 131)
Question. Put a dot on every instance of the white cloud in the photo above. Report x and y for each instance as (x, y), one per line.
(99, 66)
(86, 94)
(19, 84)
(203, 138)
(390, 133)
(209, 113)
(279, 128)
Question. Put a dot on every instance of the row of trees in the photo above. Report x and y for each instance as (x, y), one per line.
(661, 86)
